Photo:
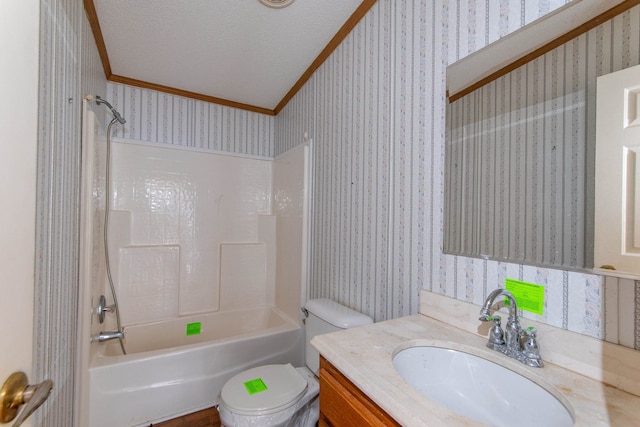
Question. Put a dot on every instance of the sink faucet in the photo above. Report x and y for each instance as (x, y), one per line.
(514, 341)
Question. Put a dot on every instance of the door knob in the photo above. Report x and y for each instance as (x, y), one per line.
(15, 392)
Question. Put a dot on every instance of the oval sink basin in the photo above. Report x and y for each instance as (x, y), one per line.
(479, 389)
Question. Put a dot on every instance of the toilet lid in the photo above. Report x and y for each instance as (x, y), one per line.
(263, 390)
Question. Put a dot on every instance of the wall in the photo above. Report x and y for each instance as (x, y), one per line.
(376, 112)
(159, 117)
(69, 68)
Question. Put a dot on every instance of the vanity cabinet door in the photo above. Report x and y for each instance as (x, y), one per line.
(343, 404)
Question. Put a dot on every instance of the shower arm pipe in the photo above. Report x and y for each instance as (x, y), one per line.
(116, 114)
(99, 100)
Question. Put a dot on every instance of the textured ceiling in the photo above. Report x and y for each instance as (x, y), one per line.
(235, 50)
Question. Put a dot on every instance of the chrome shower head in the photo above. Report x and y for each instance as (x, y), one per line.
(115, 113)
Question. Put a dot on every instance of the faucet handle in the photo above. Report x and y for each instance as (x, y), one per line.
(496, 334)
(528, 335)
(530, 348)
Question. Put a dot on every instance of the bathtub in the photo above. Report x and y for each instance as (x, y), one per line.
(168, 373)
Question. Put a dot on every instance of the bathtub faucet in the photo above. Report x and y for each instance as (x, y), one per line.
(107, 336)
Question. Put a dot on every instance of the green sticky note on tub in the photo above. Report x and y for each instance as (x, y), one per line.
(255, 386)
(194, 328)
(529, 296)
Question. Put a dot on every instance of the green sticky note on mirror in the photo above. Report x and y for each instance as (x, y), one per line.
(529, 296)
(255, 386)
(194, 328)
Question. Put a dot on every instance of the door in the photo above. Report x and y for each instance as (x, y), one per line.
(18, 140)
(617, 192)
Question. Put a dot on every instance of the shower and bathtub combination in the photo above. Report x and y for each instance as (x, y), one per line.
(203, 290)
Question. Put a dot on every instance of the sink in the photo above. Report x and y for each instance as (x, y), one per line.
(479, 389)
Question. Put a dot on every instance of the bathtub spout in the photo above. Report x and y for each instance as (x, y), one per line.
(106, 336)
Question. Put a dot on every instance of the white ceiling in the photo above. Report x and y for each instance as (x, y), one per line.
(237, 50)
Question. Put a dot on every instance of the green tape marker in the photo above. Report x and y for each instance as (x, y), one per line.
(529, 296)
(194, 328)
(255, 386)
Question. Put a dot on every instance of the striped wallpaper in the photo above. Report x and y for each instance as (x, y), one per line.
(159, 117)
(375, 111)
(69, 67)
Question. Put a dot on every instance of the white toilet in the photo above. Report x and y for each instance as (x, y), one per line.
(281, 395)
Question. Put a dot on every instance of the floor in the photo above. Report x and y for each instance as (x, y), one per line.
(205, 418)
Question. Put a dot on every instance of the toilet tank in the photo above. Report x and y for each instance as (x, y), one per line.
(327, 316)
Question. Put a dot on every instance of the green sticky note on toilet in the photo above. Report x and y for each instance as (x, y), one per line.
(194, 328)
(529, 296)
(255, 386)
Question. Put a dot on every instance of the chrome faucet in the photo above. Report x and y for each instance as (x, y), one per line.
(513, 341)
(107, 336)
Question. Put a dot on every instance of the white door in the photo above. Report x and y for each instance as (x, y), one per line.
(18, 140)
(617, 210)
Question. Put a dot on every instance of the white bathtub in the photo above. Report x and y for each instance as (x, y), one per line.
(167, 373)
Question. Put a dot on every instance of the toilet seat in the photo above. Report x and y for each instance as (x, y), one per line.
(263, 390)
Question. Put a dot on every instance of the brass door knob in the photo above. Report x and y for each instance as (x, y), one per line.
(15, 392)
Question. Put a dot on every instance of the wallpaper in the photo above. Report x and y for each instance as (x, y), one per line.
(69, 66)
(375, 111)
(159, 117)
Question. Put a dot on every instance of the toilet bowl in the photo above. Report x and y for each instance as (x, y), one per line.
(270, 395)
(281, 395)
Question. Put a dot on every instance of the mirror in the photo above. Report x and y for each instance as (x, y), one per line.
(519, 170)
(520, 154)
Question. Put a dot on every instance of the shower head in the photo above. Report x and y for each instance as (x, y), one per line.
(115, 113)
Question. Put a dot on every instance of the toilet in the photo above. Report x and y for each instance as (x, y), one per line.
(281, 395)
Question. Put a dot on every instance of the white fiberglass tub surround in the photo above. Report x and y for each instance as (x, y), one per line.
(203, 289)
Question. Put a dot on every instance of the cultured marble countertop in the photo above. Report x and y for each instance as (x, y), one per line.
(364, 356)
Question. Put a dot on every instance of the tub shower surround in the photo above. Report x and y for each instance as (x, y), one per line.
(184, 230)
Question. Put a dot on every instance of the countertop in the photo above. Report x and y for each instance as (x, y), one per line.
(364, 356)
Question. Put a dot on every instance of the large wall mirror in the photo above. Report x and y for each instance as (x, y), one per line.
(520, 152)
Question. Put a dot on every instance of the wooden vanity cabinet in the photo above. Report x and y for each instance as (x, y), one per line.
(342, 404)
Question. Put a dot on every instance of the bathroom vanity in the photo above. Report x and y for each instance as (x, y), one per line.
(342, 403)
(359, 381)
